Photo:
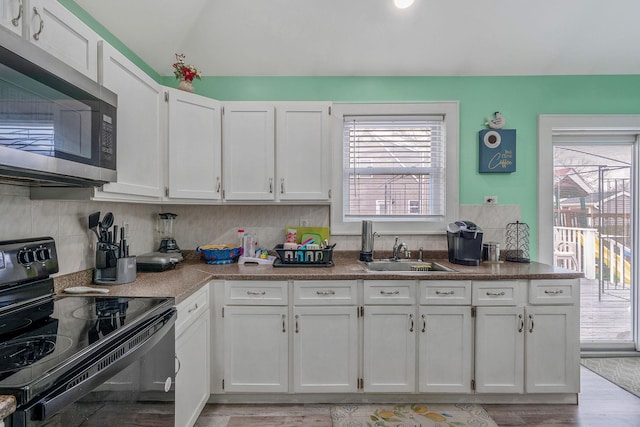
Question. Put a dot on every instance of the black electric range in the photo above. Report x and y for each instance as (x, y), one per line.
(55, 348)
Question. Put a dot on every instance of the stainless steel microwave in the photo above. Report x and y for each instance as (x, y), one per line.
(57, 126)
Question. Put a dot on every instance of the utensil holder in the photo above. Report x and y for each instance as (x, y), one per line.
(123, 272)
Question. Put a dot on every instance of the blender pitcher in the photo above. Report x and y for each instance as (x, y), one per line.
(165, 228)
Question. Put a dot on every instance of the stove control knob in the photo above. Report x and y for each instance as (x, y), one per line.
(42, 254)
(26, 256)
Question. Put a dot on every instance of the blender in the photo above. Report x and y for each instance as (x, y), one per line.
(165, 228)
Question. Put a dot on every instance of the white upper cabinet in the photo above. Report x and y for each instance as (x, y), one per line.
(139, 126)
(194, 137)
(276, 151)
(303, 151)
(248, 151)
(54, 29)
(11, 13)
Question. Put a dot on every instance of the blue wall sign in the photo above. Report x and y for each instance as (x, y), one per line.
(497, 150)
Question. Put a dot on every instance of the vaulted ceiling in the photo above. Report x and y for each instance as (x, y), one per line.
(372, 37)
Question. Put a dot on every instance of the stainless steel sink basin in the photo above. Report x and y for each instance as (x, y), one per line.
(404, 265)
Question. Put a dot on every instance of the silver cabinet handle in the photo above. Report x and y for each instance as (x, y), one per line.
(495, 294)
(424, 323)
(553, 292)
(521, 325)
(531, 323)
(218, 184)
(284, 323)
(16, 21)
(175, 355)
(256, 292)
(445, 292)
(297, 325)
(383, 292)
(270, 185)
(37, 35)
(325, 293)
(195, 307)
(411, 323)
(281, 185)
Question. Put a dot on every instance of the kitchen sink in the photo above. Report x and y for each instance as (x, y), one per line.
(404, 265)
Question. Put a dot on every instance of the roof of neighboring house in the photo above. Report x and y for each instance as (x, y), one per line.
(569, 183)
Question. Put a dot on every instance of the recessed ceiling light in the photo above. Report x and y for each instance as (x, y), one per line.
(403, 4)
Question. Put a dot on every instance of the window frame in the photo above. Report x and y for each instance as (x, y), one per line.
(450, 111)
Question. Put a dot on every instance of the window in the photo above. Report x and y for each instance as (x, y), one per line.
(398, 166)
(390, 161)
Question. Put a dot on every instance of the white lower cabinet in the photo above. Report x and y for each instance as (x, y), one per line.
(192, 357)
(445, 338)
(256, 337)
(445, 349)
(325, 336)
(495, 339)
(499, 355)
(389, 339)
(531, 348)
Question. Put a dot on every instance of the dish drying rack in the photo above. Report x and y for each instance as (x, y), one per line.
(304, 257)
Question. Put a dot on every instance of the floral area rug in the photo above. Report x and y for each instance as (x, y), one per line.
(622, 371)
(411, 415)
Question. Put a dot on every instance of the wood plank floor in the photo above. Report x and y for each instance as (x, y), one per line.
(602, 404)
(606, 317)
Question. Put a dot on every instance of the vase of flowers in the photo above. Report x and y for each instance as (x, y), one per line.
(185, 73)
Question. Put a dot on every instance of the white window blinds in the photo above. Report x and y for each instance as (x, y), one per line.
(393, 168)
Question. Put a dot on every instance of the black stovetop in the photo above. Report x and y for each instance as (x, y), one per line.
(40, 342)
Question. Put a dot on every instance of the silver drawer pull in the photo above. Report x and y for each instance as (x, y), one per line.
(554, 292)
(37, 35)
(325, 293)
(495, 294)
(383, 292)
(256, 292)
(195, 307)
(16, 21)
(445, 292)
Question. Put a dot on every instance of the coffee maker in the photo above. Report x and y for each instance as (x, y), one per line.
(464, 239)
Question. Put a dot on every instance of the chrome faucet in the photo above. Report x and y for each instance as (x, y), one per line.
(397, 248)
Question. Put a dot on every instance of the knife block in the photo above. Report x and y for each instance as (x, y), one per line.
(123, 272)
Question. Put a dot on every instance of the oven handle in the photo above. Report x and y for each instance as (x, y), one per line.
(84, 380)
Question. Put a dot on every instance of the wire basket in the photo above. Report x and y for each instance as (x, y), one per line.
(517, 242)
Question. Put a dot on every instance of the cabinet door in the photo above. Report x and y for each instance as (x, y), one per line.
(54, 29)
(389, 348)
(255, 349)
(303, 151)
(552, 350)
(445, 349)
(499, 349)
(325, 349)
(194, 146)
(139, 125)
(192, 378)
(248, 151)
(11, 12)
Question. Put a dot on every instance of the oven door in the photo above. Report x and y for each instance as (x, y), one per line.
(129, 383)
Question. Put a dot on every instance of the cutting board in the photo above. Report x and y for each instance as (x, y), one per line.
(323, 232)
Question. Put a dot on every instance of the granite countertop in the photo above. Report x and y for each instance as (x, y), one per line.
(7, 406)
(191, 274)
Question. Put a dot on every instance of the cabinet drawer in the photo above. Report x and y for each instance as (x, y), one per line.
(449, 292)
(554, 291)
(191, 308)
(325, 292)
(268, 292)
(386, 292)
(498, 293)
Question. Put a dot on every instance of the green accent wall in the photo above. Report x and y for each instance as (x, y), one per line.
(519, 98)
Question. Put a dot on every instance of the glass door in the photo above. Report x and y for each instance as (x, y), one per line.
(593, 224)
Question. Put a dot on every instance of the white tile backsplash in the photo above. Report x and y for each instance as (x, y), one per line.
(66, 222)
